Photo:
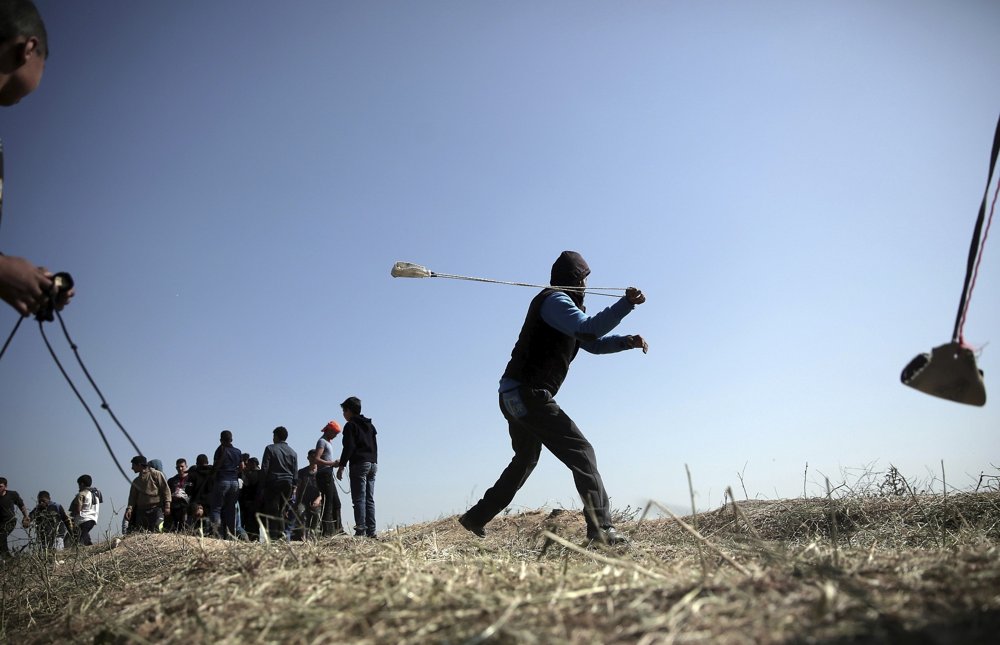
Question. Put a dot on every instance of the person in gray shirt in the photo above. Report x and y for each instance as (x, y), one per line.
(278, 468)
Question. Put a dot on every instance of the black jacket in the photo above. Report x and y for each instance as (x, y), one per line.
(541, 357)
(360, 444)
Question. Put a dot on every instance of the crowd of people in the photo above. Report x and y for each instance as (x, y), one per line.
(234, 496)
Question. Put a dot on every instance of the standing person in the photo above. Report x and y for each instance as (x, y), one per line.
(555, 329)
(332, 524)
(249, 496)
(148, 498)
(228, 464)
(51, 522)
(85, 509)
(24, 48)
(361, 452)
(202, 482)
(9, 500)
(278, 466)
(181, 489)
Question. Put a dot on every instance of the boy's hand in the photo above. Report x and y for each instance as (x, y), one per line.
(24, 286)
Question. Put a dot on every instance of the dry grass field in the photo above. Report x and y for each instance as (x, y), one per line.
(902, 568)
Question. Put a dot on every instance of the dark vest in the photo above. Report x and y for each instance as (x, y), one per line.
(541, 357)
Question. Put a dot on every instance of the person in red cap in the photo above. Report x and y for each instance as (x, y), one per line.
(332, 523)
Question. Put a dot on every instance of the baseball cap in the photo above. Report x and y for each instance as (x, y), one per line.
(333, 425)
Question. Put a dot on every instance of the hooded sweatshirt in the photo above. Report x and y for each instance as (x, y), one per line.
(555, 329)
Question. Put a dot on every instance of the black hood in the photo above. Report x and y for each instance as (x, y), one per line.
(569, 269)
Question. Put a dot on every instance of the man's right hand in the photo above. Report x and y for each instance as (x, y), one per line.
(635, 296)
(23, 286)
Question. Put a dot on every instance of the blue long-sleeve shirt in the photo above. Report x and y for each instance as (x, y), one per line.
(561, 313)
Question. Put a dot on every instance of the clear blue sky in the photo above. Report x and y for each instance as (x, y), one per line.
(793, 185)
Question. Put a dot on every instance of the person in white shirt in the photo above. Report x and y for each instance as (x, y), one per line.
(85, 508)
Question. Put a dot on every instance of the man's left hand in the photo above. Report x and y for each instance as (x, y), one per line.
(635, 296)
(637, 342)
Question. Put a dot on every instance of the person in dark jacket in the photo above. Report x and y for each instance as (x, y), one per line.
(228, 465)
(249, 496)
(202, 482)
(278, 467)
(361, 453)
(181, 491)
(555, 329)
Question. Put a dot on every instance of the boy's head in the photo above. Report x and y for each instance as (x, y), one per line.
(85, 481)
(351, 404)
(24, 47)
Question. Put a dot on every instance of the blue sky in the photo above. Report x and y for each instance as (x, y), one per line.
(793, 185)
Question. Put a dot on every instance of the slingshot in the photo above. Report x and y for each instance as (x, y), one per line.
(410, 270)
(949, 371)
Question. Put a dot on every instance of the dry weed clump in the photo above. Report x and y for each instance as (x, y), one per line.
(905, 569)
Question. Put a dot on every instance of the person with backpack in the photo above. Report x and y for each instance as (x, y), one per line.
(148, 498)
(51, 522)
(84, 509)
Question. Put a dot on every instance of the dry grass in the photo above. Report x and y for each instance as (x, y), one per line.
(912, 568)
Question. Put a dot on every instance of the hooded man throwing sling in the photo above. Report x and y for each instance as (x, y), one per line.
(555, 329)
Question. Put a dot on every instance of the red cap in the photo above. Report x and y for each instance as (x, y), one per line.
(333, 425)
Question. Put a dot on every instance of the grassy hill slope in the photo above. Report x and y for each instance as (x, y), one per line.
(914, 568)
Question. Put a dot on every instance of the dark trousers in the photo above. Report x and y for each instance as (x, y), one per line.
(331, 503)
(276, 495)
(6, 528)
(178, 515)
(248, 515)
(146, 519)
(83, 532)
(306, 522)
(534, 419)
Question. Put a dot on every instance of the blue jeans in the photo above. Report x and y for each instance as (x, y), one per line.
(363, 498)
(224, 497)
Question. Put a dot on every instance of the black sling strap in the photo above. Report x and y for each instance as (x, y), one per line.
(974, 247)
(950, 371)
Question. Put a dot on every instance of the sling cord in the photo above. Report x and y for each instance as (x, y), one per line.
(597, 291)
(104, 403)
(976, 248)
